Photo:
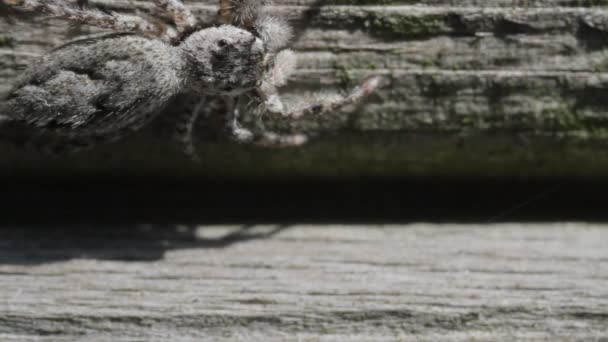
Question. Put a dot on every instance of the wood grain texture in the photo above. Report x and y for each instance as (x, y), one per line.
(332, 283)
(525, 79)
(519, 65)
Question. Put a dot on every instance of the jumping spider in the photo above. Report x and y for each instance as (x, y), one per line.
(103, 87)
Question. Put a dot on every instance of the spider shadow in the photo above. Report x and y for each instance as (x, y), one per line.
(37, 244)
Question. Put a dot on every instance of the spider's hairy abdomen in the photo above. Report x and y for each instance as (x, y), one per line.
(98, 86)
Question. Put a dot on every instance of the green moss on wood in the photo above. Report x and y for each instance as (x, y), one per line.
(390, 25)
(6, 41)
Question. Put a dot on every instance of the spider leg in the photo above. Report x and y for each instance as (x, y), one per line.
(240, 13)
(269, 138)
(114, 21)
(183, 131)
(180, 14)
(276, 110)
(235, 131)
(274, 139)
(274, 31)
(249, 15)
(259, 136)
(284, 64)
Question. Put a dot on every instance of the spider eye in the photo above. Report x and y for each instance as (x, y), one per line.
(222, 43)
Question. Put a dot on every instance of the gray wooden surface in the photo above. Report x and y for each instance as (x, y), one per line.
(529, 66)
(306, 283)
(495, 88)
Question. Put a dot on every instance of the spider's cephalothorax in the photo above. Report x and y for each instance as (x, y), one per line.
(102, 87)
(224, 60)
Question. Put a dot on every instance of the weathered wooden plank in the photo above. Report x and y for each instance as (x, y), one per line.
(421, 47)
(533, 71)
(398, 282)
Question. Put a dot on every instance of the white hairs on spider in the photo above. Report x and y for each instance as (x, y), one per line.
(245, 10)
(302, 100)
(285, 64)
(294, 102)
(120, 22)
(274, 31)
